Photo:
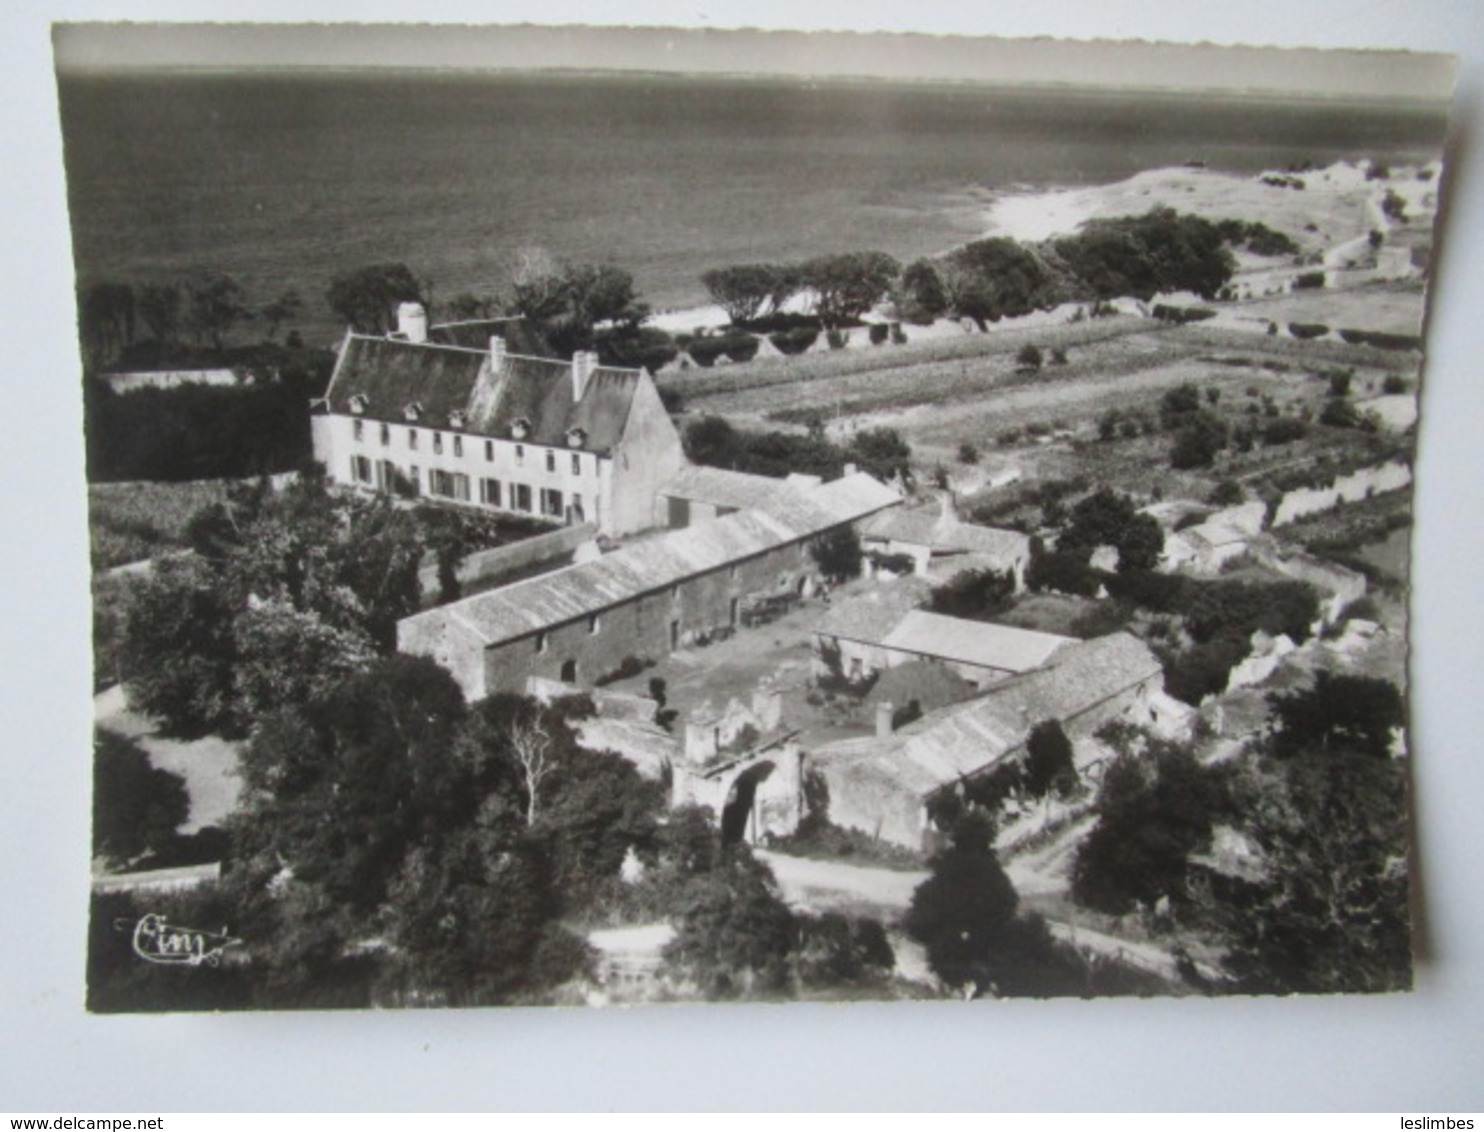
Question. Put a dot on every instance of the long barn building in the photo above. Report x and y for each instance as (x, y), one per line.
(653, 596)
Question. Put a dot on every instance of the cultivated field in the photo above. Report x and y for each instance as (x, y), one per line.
(1390, 308)
(128, 522)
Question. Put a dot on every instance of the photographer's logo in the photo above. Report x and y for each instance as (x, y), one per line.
(158, 941)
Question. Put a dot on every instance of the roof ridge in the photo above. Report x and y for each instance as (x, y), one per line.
(409, 342)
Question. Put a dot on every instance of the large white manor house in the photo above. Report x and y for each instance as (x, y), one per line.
(422, 412)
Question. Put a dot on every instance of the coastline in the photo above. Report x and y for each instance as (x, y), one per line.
(1338, 205)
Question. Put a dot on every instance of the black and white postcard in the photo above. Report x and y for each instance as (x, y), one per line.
(599, 516)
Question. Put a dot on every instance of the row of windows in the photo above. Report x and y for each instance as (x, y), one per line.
(386, 476)
(359, 431)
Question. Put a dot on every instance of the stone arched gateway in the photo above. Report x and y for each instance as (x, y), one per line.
(754, 798)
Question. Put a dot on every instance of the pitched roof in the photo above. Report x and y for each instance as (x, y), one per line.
(868, 617)
(924, 526)
(973, 642)
(652, 564)
(723, 488)
(956, 742)
(391, 373)
(930, 682)
(475, 333)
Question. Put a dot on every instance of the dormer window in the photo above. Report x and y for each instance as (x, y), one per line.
(520, 428)
(456, 419)
(358, 402)
(412, 410)
(576, 437)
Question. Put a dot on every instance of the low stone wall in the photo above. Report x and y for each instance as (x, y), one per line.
(485, 566)
(1354, 488)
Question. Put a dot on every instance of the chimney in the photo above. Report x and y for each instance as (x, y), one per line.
(583, 364)
(767, 707)
(497, 352)
(412, 322)
(883, 720)
(700, 740)
(850, 469)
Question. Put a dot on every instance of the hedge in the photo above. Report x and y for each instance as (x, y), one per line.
(737, 347)
(796, 340)
(1382, 340)
(1307, 329)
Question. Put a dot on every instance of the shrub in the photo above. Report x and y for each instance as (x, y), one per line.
(1394, 383)
(1281, 430)
(967, 453)
(795, 340)
(1029, 358)
(1307, 329)
(627, 667)
(1228, 493)
(879, 333)
(1058, 356)
(836, 339)
(1008, 436)
(1339, 382)
(738, 347)
(1382, 340)
(1309, 280)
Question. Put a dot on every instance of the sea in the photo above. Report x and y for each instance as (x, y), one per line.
(284, 179)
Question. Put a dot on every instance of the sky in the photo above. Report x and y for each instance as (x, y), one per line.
(1373, 73)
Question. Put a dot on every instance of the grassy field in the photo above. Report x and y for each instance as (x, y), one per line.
(131, 521)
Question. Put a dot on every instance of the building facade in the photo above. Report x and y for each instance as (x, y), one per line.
(492, 430)
(643, 601)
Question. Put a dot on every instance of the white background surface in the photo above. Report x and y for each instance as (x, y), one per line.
(1418, 1053)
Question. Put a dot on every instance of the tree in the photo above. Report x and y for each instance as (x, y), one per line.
(1109, 518)
(1178, 405)
(882, 452)
(285, 656)
(531, 747)
(468, 914)
(177, 651)
(964, 914)
(923, 293)
(996, 278)
(837, 553)
(213, 306)
(280, 310)
(159, 309)
(537, 284)
(1154, 810)
(106, 319)
(469, 307)
(733, 934)
(1198, 442)
(846, 286)
(1048, 760)
(1328, 913)
(979, 595)
(341, 789)
(366, 299)
(1141, 256)
(136, 807)
(1359, 714)
(748, 291)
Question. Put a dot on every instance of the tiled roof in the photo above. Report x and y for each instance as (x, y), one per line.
(923, 526)
(931, 683)
(723, 488)
(652, 564)
(475, 334)
(868, 617)
(973, 642)
(947, 745)
(391, 373)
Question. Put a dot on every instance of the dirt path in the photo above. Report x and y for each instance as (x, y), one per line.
(832, 886)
